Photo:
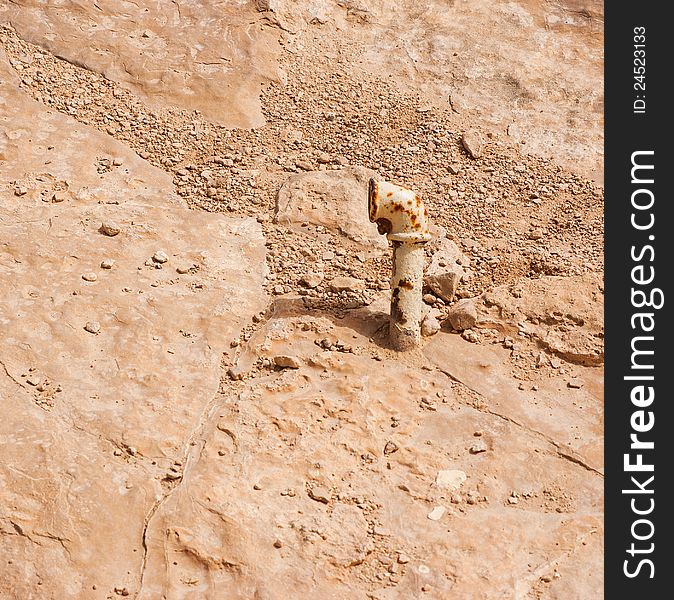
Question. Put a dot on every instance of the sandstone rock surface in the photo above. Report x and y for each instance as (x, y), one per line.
(87, 451)
(192, 55)
(219, 414)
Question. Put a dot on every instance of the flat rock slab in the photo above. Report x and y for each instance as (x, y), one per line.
(69, 503)
(156, 356)
(251, 480)
(105, 373)
(191, 55)
(578, 413)
(336, 200)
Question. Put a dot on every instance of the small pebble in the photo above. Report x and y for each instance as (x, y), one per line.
(186, 268)
(287, 362)
(472, 143)
(89, 276)
(320, 494)
(160, 257)
(93, 327)
(436, 513)
(34, 380)
(429, 326)
(479, 447)
(110, 229)
(450, 478)
(390, 448)
(108, 263)
(311, 280)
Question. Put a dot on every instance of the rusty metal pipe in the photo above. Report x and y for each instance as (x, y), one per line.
(400, 214)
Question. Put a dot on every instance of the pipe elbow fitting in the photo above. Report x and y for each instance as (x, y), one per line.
(398, 212)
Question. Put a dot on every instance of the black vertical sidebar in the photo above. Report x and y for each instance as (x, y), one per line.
(639, 346)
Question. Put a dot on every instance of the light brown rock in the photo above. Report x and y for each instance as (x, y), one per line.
(472, 142)
(92, 327)
(336, 200)
(346, 284)
(320, 494)
(311, 280)
(110, 228)
(287, 362)
(445, 271)
(463, 315)
(118, 388)
(160, 257)
(563, 314)
(430, 325)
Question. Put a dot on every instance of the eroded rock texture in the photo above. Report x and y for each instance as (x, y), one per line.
(197, 395)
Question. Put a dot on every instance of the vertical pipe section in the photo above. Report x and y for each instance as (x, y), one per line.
(400, 214)
(406, 299)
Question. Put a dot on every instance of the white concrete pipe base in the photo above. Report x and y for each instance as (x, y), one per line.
(406, 296)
